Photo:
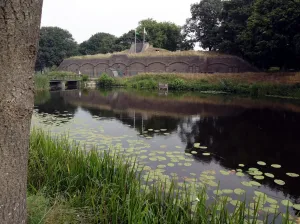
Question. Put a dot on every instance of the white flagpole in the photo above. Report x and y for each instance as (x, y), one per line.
(135, 41)
(144, 36)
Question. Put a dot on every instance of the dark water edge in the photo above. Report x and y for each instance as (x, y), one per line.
(235, 131)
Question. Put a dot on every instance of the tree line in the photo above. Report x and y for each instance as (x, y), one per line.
(57, 44)
(264, 32)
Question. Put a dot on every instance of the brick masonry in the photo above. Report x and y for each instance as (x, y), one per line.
(122, 65)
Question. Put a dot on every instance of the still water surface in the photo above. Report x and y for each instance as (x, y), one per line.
(161, 131)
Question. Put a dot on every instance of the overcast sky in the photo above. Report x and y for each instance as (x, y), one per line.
(84, 18)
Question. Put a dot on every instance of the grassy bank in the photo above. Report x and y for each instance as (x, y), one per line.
(254, 84)
(68, 185)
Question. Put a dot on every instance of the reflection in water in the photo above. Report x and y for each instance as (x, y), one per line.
(235, 130)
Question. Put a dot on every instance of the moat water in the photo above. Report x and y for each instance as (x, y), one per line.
(163, 132)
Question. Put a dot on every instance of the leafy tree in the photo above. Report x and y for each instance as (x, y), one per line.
(100, 43)
(234, 17)
(164, 35)
(205, 22)
(272, 34)
(55, 44)
(20, 25)
(124, 42)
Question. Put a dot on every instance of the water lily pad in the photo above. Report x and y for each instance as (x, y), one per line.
(161, 166)
(240, 174)
(255, 183)
(253, 169)
(194, 152)
(218, 192)
(279, 182)
(259, 177)
(275, 206)
(224, 172)
(260, 194)
(166, 133)
(241, 165)
(212, 183)
(247, 184)
(261, 163)
(272, 201)
(225, 198)
(239, 170)
(178, 147)
(206, 154)
(296, 206)
(153, 159)
(287, 203)
(187, 164)
(239, 191)
(171, 164)
(255, 173)
(227, 191)
(196, 145)
(156, 131)
(270, 175)
(150, 129)
(163, 130)
(270, 210)
(277, 166)
(235, 202)
(202, 147)
(293, 174)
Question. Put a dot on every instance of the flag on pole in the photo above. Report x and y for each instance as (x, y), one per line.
(145, 32)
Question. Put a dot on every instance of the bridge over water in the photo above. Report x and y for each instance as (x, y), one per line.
(63, 82)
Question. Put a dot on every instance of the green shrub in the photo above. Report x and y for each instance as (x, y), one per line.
(177, 84)
(106, 81)
(84, 78)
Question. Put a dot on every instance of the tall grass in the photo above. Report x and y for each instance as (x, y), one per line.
(68, 185)
(41, 82)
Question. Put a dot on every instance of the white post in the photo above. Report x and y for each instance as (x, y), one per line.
(135, 41)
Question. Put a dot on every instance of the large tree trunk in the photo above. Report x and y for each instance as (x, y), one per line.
(19, 33)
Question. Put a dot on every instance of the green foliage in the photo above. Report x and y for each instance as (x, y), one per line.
(164, 35)
(41, 82)
(84, 78)
(124, 42)
(100, 43)
(61, 75)
(55, 45)
(69, 185)
(265, 32)
(234, 19)
(106, 81)
(271, 30)
(178, 84)
(228, 85)
(204, 23)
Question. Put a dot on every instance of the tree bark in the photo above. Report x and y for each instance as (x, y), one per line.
(19, 33)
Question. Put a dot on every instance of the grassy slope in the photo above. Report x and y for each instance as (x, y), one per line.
(255, 84)
(67, 185)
